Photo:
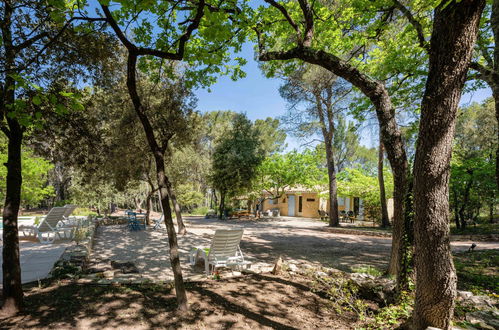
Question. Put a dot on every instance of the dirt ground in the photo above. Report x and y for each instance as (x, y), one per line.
(304, 240)
(250, 302)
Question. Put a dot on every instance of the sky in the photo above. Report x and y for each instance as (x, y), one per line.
(259, 98)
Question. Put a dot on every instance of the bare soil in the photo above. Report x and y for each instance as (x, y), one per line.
(249, 302)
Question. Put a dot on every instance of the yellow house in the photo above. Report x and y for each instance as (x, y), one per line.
(302, 202)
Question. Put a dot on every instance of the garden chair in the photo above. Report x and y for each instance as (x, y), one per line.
(48, 230)
(135, 224)
(323, 214)
(158, 222)
(223, 252)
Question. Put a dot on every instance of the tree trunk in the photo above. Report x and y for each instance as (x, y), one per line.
(148, 207)
(222, 204)
(159, 158)
(176, 206)
(11, 268)
(333, 189)
(12, 288)
(454, 34)
(172, 237)
(385, 221)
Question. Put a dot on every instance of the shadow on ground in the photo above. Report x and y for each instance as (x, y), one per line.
(248, 302)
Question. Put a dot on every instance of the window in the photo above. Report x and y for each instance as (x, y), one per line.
(310, 199)
(271, 201)
(300, 203)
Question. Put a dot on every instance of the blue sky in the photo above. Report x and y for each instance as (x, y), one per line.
(259, 98)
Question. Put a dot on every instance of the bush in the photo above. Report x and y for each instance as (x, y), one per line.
(83, 211)
(203, 210)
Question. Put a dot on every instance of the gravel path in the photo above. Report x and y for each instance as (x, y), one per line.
(298, 239)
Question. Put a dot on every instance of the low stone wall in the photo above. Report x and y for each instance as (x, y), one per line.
(75, 257)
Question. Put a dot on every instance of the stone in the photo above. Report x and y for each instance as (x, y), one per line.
(292, 268)
(126, 267)
(485, 320)
(320, 274)
(464, 294)
(109, 274)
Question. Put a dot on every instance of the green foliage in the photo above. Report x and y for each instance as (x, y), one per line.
(472, 183)
(368, 270)
(34, 172)
(279, 172)
(188, 197)
(236, 157)
(390, 316)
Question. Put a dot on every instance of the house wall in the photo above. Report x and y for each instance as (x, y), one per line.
(309, 208)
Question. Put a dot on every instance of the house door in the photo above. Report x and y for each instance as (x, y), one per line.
(291, 205)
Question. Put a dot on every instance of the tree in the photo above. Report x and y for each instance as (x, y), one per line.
(455, 29)
(325, 96)
(35, 174)
(281, 38)
(29, 30)
(472, 166)
(235, 160)
(272, 137)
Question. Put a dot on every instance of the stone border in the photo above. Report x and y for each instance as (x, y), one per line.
(75, 257)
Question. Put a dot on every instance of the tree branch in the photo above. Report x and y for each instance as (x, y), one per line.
(485, 74)
(286, 15)
(308, 15)
(414, 22)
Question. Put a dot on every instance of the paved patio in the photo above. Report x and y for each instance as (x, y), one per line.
(37, 259)
(298, 239)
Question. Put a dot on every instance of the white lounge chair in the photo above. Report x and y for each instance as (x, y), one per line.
(47, 230)
(223, 252)
(67, 221)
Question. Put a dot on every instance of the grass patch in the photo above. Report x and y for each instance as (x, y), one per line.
(368, 270)
(481, 228)
(478, 272)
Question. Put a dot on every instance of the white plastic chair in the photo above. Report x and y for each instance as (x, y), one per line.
(223, 252)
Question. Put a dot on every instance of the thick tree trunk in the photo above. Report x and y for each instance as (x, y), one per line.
(12, 289)
(159, 158)
(176, 206)
(11, 268)
(333, 188)
(454, 34)
(385, 221)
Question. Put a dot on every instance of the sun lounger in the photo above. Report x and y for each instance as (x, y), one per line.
(47, 230)
(223, 252)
